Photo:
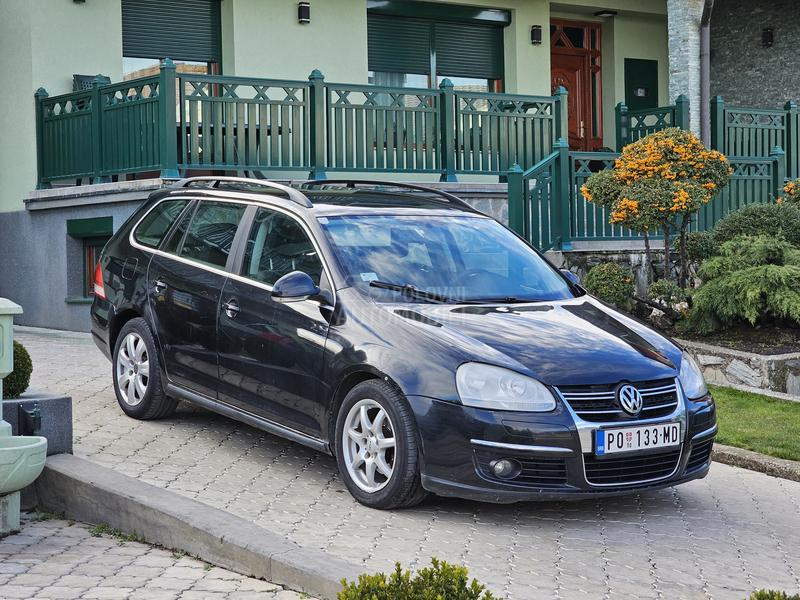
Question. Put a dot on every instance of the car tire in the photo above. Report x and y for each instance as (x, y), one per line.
(364, 453)
(140, 394)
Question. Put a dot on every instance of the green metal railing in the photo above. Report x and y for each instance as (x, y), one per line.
(174, 122)
(632, 125)
(546, 207)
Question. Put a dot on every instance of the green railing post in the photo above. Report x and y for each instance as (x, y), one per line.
(39, 96)
(447, 131)
(167, 98)
(681, 113)
(778, 171)
(97, 133)
(718, 123)
(562, 124)
(792, 132)
(623, 123)
(516, 200)
(317, 119)
(561, 187)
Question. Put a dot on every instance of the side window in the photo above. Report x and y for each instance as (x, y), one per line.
(278, 245)
(173, 243)
(157, 222)
(211, 232)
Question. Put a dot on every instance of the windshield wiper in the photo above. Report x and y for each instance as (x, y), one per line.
(506, 300)
(410, 291)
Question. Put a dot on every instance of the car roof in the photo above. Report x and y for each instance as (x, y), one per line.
(329, 198)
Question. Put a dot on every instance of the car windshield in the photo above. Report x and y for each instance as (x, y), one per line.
(440, 259)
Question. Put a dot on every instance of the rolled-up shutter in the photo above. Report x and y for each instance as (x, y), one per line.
(178, 29)
(466, 50)
(398, 45)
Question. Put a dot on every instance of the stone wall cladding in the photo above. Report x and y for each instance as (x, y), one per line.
(770, 373)
(683, 24)
(744, 72)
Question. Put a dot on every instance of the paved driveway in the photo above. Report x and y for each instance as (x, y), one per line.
(720, 537)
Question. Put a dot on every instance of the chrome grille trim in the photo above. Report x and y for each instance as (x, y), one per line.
(604, 401)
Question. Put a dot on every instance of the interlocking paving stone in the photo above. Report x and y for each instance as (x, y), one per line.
(119, 569)
(720, 537)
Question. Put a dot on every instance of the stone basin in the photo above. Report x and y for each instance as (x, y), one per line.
(22, 459)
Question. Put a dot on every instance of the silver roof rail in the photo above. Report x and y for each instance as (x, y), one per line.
(294, 195)
(352, 183)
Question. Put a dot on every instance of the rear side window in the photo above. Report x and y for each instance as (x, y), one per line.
(210, 235)
(156, 224)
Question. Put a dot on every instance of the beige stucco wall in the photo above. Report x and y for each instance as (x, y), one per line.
(42, 43)
(262, 38)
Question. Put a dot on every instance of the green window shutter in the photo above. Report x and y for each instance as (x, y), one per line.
(178, 29)
(466, 50)
(398, 45)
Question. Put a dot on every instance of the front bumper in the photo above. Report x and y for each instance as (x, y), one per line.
(458, 444)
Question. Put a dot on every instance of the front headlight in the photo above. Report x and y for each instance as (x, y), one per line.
(496, 388)
(692, 380)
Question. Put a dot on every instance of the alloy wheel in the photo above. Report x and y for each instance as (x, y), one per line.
(133, 369)
(369, 445)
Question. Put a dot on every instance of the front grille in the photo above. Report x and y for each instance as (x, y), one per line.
(536, 471)
(618, 470)
(598, 403)
(701, 453)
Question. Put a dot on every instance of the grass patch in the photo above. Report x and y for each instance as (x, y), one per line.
(103, 529)
(758, 423)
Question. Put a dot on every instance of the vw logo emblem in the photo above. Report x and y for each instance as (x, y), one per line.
(630, 400)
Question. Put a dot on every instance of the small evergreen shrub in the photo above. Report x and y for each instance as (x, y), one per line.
(438, 582)
(611, 283)
(755, 278)
(667, 292)
(700, 245)
(777, 220)
(772, 595)
(15, 384)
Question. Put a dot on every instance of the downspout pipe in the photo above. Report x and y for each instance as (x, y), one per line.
(705, 72)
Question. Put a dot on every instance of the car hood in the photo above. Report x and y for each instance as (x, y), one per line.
(566, 342)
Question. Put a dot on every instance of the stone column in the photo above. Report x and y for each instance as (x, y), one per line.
(683, 24)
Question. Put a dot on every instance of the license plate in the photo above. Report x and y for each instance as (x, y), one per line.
(628, 439)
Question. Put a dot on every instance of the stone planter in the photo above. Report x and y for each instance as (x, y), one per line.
(56, 418)
(768, 372)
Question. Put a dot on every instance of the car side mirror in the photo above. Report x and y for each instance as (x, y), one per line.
(293, 287)
(571, 276)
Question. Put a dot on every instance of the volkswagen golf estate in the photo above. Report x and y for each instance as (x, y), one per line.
(425, 345)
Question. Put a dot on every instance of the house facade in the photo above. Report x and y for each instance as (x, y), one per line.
(506, 56)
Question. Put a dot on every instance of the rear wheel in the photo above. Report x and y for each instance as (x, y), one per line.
(376, 447)
(137, 374)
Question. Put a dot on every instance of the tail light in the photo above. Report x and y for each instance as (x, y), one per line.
(99, 287)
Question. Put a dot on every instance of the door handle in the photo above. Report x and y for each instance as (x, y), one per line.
(583, 130)
(159, 286)
(231, 308)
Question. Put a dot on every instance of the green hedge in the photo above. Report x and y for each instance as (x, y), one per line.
(15, 384)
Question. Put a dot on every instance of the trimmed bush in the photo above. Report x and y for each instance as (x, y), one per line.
(773, 595)
(611, 283)
(777, 220)
(15, 384)
(756, 278)
(440, 580)
(667, 292)
(700, 245)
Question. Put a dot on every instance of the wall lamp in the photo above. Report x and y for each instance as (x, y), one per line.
(536, 34)
(304, 13)
(605, 14)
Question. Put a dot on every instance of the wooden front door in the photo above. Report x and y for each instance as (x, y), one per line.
(575, 64)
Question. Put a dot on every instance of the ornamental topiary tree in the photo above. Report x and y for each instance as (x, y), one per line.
(660, 181)
(791, 193)
(15, 383)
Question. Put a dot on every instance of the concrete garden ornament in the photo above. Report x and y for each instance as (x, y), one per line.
(22, 458)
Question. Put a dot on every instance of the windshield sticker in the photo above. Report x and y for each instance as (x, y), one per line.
(369, 277)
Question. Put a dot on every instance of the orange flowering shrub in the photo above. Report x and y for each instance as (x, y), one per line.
(659, 182)
(791, 193)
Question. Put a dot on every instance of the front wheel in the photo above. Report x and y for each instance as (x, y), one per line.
(376, 447)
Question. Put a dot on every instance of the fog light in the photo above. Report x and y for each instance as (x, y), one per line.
(505, 468)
